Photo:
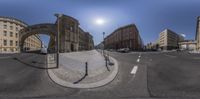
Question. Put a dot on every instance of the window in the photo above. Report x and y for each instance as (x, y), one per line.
(11, 34)
(16, 43)
(5, 42)
(5, 26)
(11, 27)
(11, 42)
(17, 29)
(5, 49)
(12, 50)
(16, 35)
(71, 28)
(5, 33)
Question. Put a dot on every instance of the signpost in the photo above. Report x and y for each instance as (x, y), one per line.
(57, 38)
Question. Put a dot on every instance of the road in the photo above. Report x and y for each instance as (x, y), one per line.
(141, 75)
(24, 80)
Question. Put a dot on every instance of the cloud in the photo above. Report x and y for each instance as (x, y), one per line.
(183, 35)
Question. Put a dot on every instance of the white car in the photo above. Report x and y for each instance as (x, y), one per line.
(124, 50)
(43, 50)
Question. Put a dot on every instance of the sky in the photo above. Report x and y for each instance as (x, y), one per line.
(150, 16)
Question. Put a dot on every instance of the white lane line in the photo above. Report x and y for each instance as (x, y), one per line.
(134, 70)
(138, 60)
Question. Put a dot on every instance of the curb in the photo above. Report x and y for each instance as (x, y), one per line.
(107, 80)
(6, 57)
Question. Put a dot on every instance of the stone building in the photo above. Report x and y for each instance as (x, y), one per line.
(85, 40)
(9, 36)
(69, 31)
(72, 37)
(124, 37)
(89, 40)
(33, 43)
(168, 40)
(82, 40)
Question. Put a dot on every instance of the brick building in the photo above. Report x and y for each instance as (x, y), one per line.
(124, 37)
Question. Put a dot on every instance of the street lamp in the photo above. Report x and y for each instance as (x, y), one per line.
(57, 38)
(103, 42)
(1, 42)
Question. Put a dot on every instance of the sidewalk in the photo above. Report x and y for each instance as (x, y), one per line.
(194, 52)
(72, 69)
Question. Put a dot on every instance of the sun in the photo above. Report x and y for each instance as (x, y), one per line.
(99, 21)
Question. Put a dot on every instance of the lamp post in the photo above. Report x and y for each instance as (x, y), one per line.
(57, 38)
(103, 42)
(1, 42)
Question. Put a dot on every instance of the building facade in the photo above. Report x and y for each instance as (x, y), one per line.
(9, 36)
(69, 30)
(85, 40)
(152, 46)
(33, 43)
(187, 45)
(99, 46)
(72, 37)
(124, 37)
(168, 40)
(90, 42)
(198, 34)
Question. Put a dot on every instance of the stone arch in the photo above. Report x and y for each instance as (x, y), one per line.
(45, 28)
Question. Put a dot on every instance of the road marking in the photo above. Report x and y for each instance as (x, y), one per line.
(138, 60)
(134, 70)
(140, 55)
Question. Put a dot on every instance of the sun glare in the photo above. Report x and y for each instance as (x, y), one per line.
(99, 21)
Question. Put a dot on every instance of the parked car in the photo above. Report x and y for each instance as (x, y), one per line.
(111, 50)
(123, 50)
(43, 50)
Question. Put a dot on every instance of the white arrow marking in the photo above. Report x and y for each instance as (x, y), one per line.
(134, 70)
(138, 60)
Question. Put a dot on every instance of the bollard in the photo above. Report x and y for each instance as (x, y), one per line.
(86, 68)
(107, 64)
(106, 61)
(86, 74)
(108, 58)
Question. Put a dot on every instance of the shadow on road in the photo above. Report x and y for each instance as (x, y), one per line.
(34, 66)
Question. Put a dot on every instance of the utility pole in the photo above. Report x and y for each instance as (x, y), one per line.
(57, 38)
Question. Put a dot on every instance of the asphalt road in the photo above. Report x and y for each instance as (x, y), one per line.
(174, 75)
(24, 80)
(141, 75)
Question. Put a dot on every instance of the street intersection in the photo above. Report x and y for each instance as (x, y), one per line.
(140, 75)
